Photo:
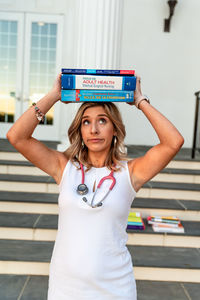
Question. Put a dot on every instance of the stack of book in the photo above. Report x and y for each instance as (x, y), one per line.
(85, 85)
(135, 221)
(166, 224)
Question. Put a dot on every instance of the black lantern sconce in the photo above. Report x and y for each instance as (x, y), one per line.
(172, 4)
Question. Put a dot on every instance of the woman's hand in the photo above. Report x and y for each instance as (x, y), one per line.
(56, 90)
(137, 92)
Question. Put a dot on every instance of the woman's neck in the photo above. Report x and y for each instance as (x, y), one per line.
(97, 159)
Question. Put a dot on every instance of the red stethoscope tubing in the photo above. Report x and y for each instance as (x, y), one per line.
(83, 174)
(110, 176)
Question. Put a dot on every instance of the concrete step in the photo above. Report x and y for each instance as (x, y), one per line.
(166, 175)
(183, 209)
(34, 287)
(152, 189)
(173, 167)
(150, 262)
(20, 168)
(47, 203)
(5, 145)
(38, 227)
(13, 157)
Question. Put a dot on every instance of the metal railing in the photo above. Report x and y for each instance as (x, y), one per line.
(196, 141)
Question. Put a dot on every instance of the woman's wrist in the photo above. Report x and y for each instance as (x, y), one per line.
(54, 96)
(143, 103)
(141, 99)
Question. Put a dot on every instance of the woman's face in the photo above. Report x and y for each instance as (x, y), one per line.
(97, 129)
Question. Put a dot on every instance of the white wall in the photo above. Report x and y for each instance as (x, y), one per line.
(168, 63)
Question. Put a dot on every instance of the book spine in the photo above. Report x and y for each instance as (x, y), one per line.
(169, 230)
(163, 220)
(98, 71)
(135, 223)
(135, 227)
(163, 223)
(96, 96)
(96, 82)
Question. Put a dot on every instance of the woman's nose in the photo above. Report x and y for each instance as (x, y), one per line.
(94, 127)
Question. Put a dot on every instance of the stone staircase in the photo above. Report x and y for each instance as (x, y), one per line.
(165, 265)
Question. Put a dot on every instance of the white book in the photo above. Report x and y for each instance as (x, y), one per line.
(170, 230)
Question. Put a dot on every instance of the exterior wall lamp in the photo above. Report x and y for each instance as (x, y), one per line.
(172, 4)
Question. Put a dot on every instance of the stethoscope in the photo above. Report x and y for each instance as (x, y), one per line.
(82, 188)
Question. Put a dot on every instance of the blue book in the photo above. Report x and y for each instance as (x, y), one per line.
(98, 71)
(135, 223)
(96, 96)
(134, 227)
(98, 82)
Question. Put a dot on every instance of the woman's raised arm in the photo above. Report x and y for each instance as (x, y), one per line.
(142, 169)
(20, 136)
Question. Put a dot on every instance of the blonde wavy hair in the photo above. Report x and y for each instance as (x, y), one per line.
(78, 152)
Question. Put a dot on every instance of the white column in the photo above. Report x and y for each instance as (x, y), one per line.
(99, 33)
(97, 40)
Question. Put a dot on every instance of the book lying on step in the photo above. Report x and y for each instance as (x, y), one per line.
(96, 82)
(135, 221)
(173, 221)
(179, 229)
(165, 224)
(96, 96)
(98, 71)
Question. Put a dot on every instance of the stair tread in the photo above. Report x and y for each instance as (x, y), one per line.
(150, 184)
(180, 171)
(23, 220)
(165, 257)
(37, 287)
(29, 197)
(5, 145)
(183, 154)
(26, 178)
(45, 221)
(165, 290)
(16, 163)
(143, 256)
(157, 203)
(172, 185)
(23, 250)
(164, 171)
(160, 203)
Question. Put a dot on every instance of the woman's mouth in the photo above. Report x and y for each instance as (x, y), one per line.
(95, 140)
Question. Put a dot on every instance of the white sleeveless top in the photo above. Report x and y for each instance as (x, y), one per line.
(90, 259)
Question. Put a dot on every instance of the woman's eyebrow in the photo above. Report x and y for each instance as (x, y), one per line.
(100, 115)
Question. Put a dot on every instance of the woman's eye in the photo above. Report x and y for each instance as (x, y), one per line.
(102, 121)
(85, 122)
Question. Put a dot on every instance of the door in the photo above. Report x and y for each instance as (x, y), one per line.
(30, 58)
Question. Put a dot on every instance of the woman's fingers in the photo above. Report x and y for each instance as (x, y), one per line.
(138, 90)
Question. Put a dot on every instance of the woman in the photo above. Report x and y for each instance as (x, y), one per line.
(90, 259)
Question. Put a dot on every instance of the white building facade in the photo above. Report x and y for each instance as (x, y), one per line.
(39, 37)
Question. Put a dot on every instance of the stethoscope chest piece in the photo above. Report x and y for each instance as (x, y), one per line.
(82, 189)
